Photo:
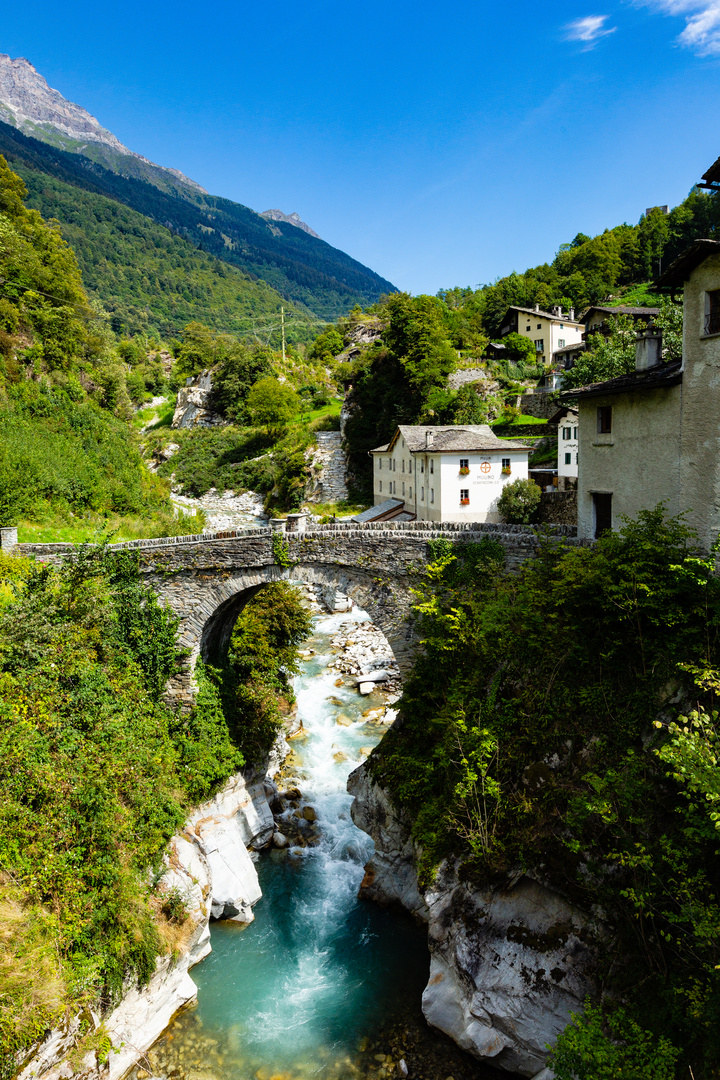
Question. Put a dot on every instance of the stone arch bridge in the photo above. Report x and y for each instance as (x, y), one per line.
(208, 579)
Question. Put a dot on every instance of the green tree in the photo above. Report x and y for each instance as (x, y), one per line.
(606, 356)
(521, 350)
(519, 501)
(272, 404)
(611, 1047)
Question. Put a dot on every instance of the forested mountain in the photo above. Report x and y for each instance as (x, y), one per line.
(302, 268)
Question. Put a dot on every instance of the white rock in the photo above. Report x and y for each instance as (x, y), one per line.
(366, 687)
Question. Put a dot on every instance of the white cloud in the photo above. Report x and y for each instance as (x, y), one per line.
(589, 29)
(702, 22)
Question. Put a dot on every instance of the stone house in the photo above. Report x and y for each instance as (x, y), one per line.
(548, 330)
(596, 320)
(453, 473)
(654, 435)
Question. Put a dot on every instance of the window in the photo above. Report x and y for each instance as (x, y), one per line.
(410, 465)
(568, 459)
(380, 486)
(561, 342)
(528, 329)
(505, 468)
(464, 466)
(712, 316)
(538, 345)
(539, 326)
(464, 496)
(602, 505)
(422, 494)
(403, 464)
(422, 466)
(403, 487)
(604, 419)
(574, 433)
(432, 466)
(566, 433)
(393, 464)
(577, 459)
(410, 494)
(432, 495)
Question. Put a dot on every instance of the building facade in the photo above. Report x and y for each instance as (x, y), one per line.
(548, 330)
(447, 473)
(654, 435)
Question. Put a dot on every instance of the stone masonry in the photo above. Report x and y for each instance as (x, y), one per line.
(328, 469)
(208, 579)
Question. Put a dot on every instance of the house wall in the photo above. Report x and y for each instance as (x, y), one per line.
(638, 462)
(700, 431)
(485, 482)
(393, 475)
(550, 331)
(568, 446)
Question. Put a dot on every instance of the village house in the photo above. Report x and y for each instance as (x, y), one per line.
(452, 473)
(596, 320)
(549, 331)
(653, 435)
(566, 421)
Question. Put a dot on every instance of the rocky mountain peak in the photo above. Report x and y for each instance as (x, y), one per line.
(30, 104)
(290, 219)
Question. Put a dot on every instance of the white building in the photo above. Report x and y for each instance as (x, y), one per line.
(548, 330)
(568, 445)
(445, 473)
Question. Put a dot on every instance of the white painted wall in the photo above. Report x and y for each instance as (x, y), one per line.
(568, 445)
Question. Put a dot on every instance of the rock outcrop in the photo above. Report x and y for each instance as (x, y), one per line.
(508, 964)
(193, 404)
(209, 868)
(289, 219)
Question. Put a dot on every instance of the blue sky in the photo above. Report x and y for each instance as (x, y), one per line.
(440, 146)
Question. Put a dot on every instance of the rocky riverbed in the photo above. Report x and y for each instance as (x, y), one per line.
(224, 510)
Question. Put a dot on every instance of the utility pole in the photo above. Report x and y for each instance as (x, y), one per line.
(282, 320)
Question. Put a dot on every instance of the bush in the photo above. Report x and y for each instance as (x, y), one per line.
(519, 501)
(599, 1047)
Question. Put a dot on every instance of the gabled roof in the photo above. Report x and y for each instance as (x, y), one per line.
(565, 319)
(578, 346)
(454, 438)
(712, 176)
(659, 377)
(561, 414)
(390, 510)
(681, 268)
(621, 310)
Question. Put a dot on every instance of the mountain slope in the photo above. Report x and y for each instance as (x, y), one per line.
(301, 267)
(68, 143)
(28, 103)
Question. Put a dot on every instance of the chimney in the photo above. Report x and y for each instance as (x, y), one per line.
(429, 437)
(648, 349)
(571, 314)
(537, 307)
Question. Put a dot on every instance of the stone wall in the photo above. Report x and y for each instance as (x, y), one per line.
(558, 508)
(540, 405)
(328, 469)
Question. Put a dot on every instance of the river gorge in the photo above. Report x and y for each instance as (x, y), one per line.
(321, 983)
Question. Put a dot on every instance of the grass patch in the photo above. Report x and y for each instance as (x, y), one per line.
(56, 530)
(521, 418)
(344, 508)
(153, 417)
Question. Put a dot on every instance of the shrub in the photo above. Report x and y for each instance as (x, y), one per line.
(519, 501)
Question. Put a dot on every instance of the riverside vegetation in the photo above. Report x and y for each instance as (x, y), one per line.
(96, 773)
(539, 731)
